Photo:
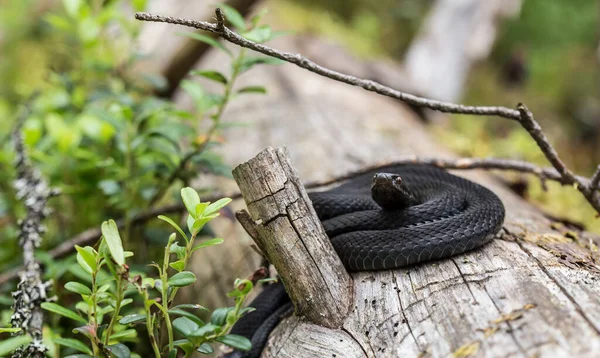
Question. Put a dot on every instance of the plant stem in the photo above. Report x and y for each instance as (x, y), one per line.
(150, 326)
(93, 318)
(186, 258)
(115, 315)
(165, 302)
(236, 66)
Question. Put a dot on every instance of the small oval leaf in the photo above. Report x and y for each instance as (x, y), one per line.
(75, 344)
(190, 200)
(208, 243)
(205, 348)
(236, 341)
(58, 309)
(78, 288)
(185, 326)
(182, 279)
(212, 75)
(173, 224)
(216, 206)
(132, 319)
(113, 241)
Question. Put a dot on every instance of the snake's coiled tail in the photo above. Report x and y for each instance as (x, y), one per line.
(427, 214)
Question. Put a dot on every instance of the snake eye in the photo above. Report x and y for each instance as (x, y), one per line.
(397, 179)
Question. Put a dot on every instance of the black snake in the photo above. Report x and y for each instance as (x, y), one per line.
(397, 216)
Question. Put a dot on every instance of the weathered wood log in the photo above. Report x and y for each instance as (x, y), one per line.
(503, 299)
(290, 234)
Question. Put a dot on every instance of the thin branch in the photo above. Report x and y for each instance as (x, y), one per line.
(535, 130)
(462, 164)
(521, 114)
(309, 65)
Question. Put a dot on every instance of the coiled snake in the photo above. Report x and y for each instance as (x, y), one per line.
(397, 216)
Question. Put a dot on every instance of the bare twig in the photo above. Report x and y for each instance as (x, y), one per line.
(307, 64)
(31, 292)
(521, 114)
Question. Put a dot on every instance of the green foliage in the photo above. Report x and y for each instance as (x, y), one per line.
(100, 132)
(103, 325)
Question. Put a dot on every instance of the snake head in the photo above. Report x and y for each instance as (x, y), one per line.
(389, 193)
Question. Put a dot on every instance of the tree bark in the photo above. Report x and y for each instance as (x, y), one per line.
(290, 234)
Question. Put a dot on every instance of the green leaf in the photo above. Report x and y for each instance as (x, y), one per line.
(10, 344)
(194, 90)
(190, 200)
(58, 309)
(177, 250)
(73, 343)
(204, 330)
(182, 279)
(185, 326)
(9, 330)
(87, 331)
(216, 206)
(86, 258)
(178, 265)
(249, 62)
(190, 223)
(253, 89)
(236, 341)
(207, 40)
(212, 75)
(199, 223)
(205, 348)
(259, 34)
(191, 306)
(200, 208)
(173, 224)
(127, 333)
(119, 350)
(78, 288)
(113, 240)
(219, 316)
(186, 314)
(208, 243)
(132, 319)
(234, 17)
(185, 345)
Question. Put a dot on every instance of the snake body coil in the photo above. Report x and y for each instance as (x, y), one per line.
(380, 221)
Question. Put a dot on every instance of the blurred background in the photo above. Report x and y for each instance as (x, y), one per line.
(122, 114)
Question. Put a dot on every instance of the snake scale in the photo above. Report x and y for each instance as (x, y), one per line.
(385, 219)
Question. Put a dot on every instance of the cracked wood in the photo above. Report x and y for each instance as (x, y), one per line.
(291, 236)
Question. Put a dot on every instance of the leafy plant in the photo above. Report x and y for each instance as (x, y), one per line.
(104, 296)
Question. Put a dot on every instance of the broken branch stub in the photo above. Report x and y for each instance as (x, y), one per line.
(291, 236)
